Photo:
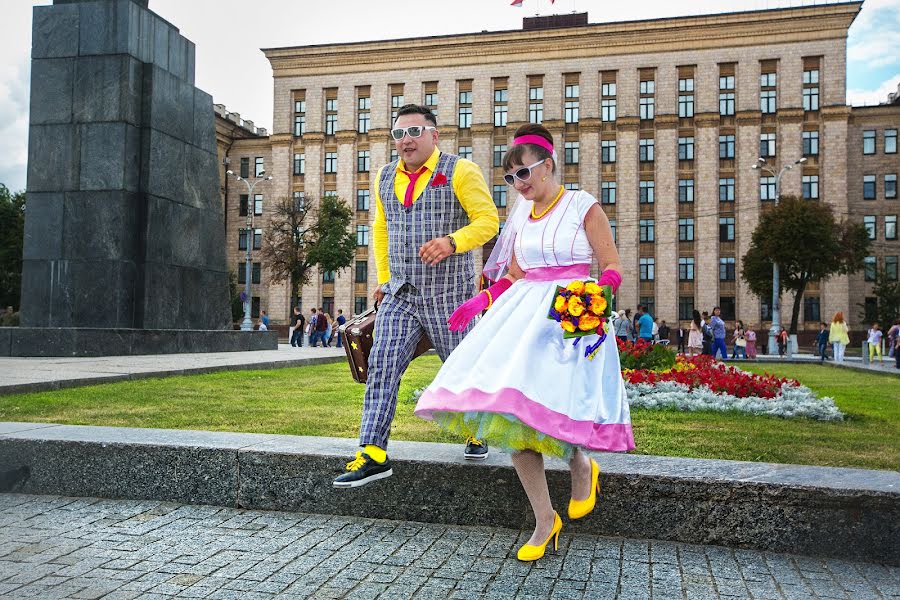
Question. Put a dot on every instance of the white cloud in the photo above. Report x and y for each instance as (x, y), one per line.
(873, 37)
(14, 86)
(877, 95)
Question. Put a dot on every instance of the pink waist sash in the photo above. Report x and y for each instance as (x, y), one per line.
(577, 271)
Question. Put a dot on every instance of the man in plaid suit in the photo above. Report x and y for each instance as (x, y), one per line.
(431, 210)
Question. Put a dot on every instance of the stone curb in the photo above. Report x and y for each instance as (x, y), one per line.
(846, 513)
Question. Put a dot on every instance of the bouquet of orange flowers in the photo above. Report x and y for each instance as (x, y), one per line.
(582, 308)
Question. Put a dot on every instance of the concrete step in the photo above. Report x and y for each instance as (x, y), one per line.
(833, 512)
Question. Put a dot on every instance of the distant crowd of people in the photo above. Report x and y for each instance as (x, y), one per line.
(321, 327)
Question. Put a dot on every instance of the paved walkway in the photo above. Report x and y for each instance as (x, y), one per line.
(56, 547)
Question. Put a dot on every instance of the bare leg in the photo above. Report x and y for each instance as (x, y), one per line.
(530, 469)
(580, 467)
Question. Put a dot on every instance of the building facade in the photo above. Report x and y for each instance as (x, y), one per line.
(661, 120)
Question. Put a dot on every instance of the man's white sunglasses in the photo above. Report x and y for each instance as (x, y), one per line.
(413, 131)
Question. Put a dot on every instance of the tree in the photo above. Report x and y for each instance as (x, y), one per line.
(887, 301)
(300, 237)
(807, 243)
(12, 235)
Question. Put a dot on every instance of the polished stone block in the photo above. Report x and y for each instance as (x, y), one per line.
(53, 158)
(51, 90)
(169, 104)
(54, 32)
(108, 88)
(44, 225)
(101, 225)
(204, 135)
(162, 168)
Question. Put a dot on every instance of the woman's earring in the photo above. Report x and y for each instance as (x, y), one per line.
(544, 178)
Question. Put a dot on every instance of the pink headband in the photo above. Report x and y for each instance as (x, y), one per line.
(534, 139)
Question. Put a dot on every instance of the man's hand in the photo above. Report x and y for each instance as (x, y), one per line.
(436, 250)
(377, 294)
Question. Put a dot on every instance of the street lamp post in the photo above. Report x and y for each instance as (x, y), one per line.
(776, 281)
(247, 324)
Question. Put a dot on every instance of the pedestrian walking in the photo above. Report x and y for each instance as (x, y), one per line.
(839, 336)
(718, 329)
(822, 341)
(874, 341)
(782, 340)
(298, 322)
(750, 336)
(892, 335)
(623, 326)
(695, 335)
(739, 349)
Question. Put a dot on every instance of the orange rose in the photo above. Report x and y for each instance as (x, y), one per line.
(588, 323)
(576, 287)
(576, 306)
(567, 325)
(592, 288)
(598, 304)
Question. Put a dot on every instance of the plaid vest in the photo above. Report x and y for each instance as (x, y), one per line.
(436, 213)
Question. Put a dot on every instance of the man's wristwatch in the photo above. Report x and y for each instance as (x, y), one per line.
(452, 243)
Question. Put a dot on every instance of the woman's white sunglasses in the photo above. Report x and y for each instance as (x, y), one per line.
(523, 174)
(412, 131)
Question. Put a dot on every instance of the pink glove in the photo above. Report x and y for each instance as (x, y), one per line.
(468, 309)
(610, 278)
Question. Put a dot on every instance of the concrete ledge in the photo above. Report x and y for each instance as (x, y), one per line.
(85, 341)
(846, 513)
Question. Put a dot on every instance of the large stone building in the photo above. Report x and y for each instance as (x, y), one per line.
(660, 119)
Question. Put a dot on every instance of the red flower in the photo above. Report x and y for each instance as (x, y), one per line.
(439, 179)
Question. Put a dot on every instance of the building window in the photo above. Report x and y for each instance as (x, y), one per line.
(362, 235)
(686, 148)
(767, 189)
(811, 313)
(362, 199)
(685, 190)
(572, 187)
(242, 239)
(245, 167)
(360, 305)
(465, 152)
(890, 141)
(259, 167)
(431, 101)
(647, 192)
(331, 194)
(255, 273)
(726, 304)
(726, 268)
(608, 151)
(686, 272)
(394, 155)
(571, 107)
(243, 203)
(890, 186)
(726, 146)
(499, 195)
(607, 192)
(726, 95)
(811, 90)
(869, 221)
(649, 304)
(767, 96)
(612, 225)
(647, 269)
(810, 143)
(869, 141)
(328, 276)
(647, 230)
(810, 187)
(645, 150)
(299, 201)
(767, 144)
(685, 308)
(726, 229)
(686, 231)
(608, 102)
(257, 204)
(869, 268)
(868, 187)
(299, 117)
(299, 164)
(362, 161)
(331, 162)
(396, 102)
(362, 271)
(890, 227)
(363, 114)
(765, 310)
(726, 189)
(890, 268)
(330, 116)
(501, 107)
(465, 110)
(499, 151)
(536, 105)
(686, 98)
(571, 153)
(648, 100)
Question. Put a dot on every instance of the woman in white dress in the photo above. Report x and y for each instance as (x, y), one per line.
(514, 380)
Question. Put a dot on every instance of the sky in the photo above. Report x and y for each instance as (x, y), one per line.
(230, 33)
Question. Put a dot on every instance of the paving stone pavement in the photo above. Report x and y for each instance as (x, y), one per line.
(58, 547)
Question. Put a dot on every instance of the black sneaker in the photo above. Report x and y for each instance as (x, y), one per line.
(476, 449)
(362, 470)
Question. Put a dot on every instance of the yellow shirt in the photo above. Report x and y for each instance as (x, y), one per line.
(473, 194)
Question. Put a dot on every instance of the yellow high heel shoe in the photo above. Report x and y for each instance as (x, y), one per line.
(529, 552)
(581, 508)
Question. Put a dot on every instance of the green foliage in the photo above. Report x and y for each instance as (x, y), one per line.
(643, 355)
(12, 234)
(335, 244)
(807, 243)
(887, 296)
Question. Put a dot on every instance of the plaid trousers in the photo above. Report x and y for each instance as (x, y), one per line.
(402, 320)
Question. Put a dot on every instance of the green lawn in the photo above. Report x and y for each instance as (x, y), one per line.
(323, 400)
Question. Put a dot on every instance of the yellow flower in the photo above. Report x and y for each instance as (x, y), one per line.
(576, 287)
(560, 304)
(567, 325)
(592, 288)
(588, 323)
(576, 306)
(598, 304)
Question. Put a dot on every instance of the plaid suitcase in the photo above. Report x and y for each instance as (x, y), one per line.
(357, 333)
